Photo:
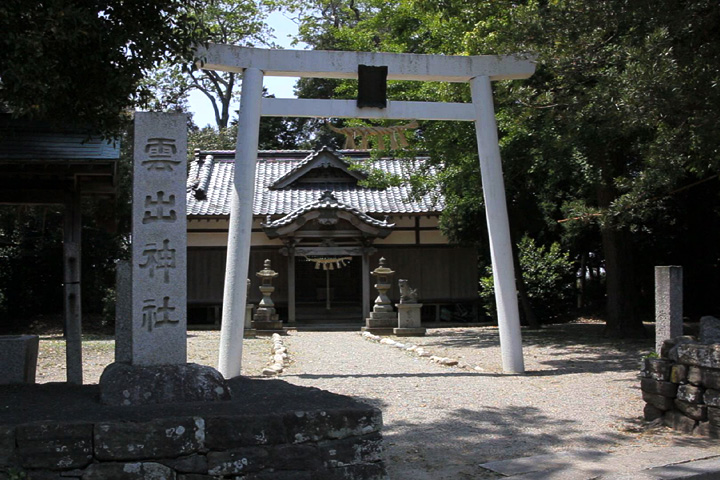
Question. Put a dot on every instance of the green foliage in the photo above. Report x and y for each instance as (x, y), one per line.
(231, 22)
(210, 138)
(71, 62)
(16, 474)
(549, 276)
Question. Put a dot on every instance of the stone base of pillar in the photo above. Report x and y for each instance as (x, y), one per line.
(266, 321)
(124, 385)
(380, 323)
(260, 326)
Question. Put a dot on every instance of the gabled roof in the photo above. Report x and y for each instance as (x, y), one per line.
(211, 174)
(325, 158)
(327, 203)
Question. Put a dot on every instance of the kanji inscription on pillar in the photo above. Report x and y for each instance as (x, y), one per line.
(159, 240)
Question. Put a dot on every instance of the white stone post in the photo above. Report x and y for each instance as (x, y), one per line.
(240, 228)
(668, 304)
(498, 226)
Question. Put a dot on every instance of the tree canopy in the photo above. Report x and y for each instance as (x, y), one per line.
(79, 62)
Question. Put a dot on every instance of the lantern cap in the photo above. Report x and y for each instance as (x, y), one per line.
(382, 269)
(267, 272)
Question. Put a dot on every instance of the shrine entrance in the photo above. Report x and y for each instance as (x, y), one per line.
(328, 290)
(328, 245)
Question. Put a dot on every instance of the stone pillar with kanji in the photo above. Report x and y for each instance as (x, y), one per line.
(152, 337)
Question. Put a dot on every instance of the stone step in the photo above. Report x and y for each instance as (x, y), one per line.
(666, 463)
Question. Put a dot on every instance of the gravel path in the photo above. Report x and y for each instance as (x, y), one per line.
(442, 422)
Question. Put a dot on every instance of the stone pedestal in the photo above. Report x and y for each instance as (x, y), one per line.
(125, 385)
(409, 320)
(380, 323)
(18, 357)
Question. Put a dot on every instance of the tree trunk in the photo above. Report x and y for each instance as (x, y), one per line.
(623, 294)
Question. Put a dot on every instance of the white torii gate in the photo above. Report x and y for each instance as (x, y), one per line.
(479, 71)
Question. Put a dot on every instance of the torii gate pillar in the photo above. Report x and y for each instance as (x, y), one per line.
(240, 228)
(479, 71)
(498, 226)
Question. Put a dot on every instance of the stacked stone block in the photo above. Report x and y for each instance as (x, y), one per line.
(683, 386)
(302, 445)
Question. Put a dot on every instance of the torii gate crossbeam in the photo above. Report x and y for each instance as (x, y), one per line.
(479, 71)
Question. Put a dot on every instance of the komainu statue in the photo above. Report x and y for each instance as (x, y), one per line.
(407, 293)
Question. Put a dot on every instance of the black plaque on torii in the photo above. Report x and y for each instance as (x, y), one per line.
(372, 86)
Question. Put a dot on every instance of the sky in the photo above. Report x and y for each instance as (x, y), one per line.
(281, 87)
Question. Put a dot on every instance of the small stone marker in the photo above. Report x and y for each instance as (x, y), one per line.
(159, 278)
(668, 304)
(382, 319)
(409, 318)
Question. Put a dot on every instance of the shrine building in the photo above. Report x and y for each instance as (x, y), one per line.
(323, 233)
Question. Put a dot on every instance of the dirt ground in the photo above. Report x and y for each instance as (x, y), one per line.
(99, 351)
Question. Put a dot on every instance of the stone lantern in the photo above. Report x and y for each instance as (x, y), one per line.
(265, 319)
(382, 319)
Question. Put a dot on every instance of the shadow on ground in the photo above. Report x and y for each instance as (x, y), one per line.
(455, 446)
(574, 348)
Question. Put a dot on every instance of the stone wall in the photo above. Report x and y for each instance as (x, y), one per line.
(683, 386)
(300, 445)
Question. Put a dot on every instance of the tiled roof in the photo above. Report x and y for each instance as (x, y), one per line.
(211, 176)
